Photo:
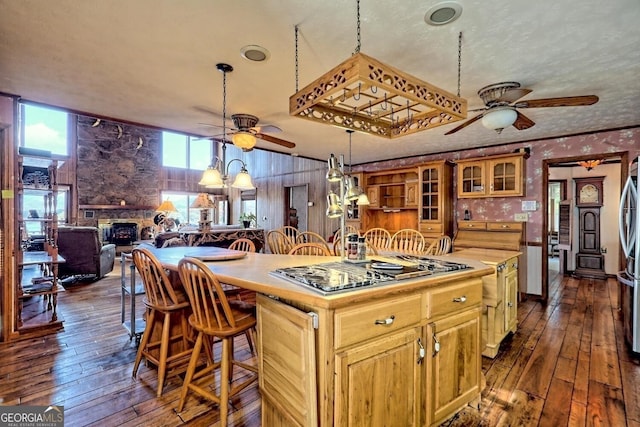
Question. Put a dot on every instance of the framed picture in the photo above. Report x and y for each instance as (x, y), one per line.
(88, 214)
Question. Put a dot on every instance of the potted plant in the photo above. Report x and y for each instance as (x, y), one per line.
(247, 218)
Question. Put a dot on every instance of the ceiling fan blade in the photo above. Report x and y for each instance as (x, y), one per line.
(275, 140)
(513, 95)
(523, 122)
(465, 124)
(567, 101)
(267, 128)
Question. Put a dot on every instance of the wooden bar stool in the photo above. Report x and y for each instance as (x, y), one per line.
(165, 340)
(214, 319)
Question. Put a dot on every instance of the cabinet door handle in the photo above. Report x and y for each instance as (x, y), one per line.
(436, 345)
(421, 352)
(461, 299)
(509, 304)
(388, 321)
(514, 265)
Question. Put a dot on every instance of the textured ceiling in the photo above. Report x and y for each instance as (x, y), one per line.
(153, 62)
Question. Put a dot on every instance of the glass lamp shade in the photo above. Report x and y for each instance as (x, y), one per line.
(363, 200)
(243, 181)
(499, 118)
(244, 140)
(166, 207)
(212, 178)
(334, 174)
(334, 210)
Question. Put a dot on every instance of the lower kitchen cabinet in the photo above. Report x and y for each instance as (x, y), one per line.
(406, 359)
(378, 382)
(499, 296)
(453, 364)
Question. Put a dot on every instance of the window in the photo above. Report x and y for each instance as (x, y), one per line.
(45, 129)
(182, 151)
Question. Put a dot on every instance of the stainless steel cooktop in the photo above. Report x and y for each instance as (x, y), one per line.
(341, 276)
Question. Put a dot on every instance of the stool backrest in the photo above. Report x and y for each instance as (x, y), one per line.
(279, 242)
(157, 286)
(310, 249)
(211, 309)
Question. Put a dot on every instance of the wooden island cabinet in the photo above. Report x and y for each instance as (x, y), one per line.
(401, 354)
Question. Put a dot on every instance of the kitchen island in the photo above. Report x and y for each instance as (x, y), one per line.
(405, 353)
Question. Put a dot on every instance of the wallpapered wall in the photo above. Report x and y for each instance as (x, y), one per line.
(504, 208)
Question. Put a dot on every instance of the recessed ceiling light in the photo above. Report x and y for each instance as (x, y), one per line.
(255, 53)
(443, 13)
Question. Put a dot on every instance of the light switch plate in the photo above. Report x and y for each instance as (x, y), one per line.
(521, 217)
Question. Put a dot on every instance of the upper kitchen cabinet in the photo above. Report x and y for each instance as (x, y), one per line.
(436, 199)
(492, 176)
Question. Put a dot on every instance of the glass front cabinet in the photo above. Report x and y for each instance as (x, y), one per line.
(492, 176)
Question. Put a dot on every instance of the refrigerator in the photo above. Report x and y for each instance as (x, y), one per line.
(629, 225)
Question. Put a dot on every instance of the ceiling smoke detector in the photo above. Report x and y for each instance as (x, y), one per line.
(443, 13)
(255, 53)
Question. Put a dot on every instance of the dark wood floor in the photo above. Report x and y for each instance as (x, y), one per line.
(566, 365)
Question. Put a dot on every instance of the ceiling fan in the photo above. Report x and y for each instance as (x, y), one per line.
(245, 132)
(501, 106)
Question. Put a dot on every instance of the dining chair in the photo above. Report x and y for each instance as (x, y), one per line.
(279, 242)
(311, 237)
(290, 231)
(407, 240)
(440, 246)
(164, 305)
(214, 319)
(310, 249)
(378, 238)
(243, 244)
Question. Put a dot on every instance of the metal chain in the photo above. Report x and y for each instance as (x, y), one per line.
(224, 109)
(459, 59)
(358, 27)
(296, 59)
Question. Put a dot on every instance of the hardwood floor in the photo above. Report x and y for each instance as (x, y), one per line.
(567, 365)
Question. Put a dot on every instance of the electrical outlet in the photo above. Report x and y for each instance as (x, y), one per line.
(522, 217)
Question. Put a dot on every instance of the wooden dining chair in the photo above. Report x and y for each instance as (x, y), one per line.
(407, 240)
(440, 246)
(214, 319)
(311, 237)
(243, 245)
(310, 249)
(378, 238)
(165, 305)
(279, 242)
(290, 232)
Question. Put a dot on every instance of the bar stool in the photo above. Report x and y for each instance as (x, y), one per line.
(214, 319)
(165, 305)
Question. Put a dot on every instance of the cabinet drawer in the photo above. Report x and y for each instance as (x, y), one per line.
(511, 226)
(454, 298)
(360, 323)
(431, 228)
(475, 225)
(511, 265)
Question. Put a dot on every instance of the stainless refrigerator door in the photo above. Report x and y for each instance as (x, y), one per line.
(628, 217)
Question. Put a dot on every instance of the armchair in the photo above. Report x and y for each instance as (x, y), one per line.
(84, 255)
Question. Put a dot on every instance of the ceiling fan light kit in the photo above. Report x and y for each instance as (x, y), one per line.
(244, 140)
(499, 118)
